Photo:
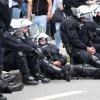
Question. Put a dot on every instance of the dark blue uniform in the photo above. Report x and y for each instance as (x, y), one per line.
(77, 35)
(52, 54)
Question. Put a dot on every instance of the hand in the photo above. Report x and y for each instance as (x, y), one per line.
(49, 16)
(91, 50)
(61, 7)
(29, 18)
(57, 63)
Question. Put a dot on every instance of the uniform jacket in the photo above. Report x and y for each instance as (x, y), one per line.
(74, 33)
(52, 53)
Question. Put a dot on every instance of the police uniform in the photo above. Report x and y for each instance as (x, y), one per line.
(75, 33)
(10, 42)
(52, 54)
(94, 31)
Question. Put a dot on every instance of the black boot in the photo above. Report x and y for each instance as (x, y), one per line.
(2, 97)
(10, 78)
(84, 71)
(10, 87)
(16, 87)
(35, 69)
(66, 73)
(3, 83)
(40, 75)
(81, 71)
(26, 78)
(97, 74)
(94, 60)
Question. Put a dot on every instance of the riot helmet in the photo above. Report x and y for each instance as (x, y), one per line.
(42, 38)
(95, 9)
(83, 11)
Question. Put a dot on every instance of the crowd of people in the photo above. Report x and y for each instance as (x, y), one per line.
(26, 27)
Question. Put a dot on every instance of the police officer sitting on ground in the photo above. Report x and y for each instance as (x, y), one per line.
(76, 34)
(96, 16)
(55, 65)
(5, 87)
(28, 63)
(10, 42)
(93, 27)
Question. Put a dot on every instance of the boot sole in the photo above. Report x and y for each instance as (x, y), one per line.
(27, 83)
(17, 87)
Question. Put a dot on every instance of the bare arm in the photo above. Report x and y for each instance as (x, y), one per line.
(29, 10)
(49, 9)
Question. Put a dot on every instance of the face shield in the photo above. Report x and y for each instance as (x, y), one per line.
(87, 17)
(41, 37)
(42, 41)
(20, 23)
(84, 13)
(20, 26)
(95, 9)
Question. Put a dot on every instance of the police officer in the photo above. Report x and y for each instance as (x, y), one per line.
(72, 3)
(75, 33)
(96, 13)
(93, 30)
(10, 42)
(96, 16)
(31, 58)
(93, 27)
(55, 64)
(4, 24)
(53, 60)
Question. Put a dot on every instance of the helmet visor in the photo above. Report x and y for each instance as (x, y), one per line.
(86, 16)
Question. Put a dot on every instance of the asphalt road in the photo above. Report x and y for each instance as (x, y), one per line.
(83, 89)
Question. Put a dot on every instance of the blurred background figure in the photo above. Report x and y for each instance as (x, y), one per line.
(23, 9)
(57, 4)
(41, 13)
(16, 8)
